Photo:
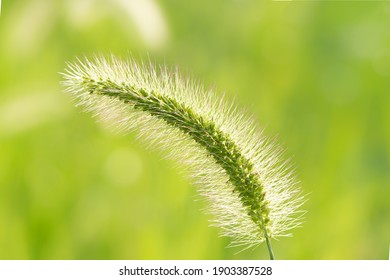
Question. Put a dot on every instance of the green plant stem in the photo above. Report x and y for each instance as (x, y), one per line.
(269, 246)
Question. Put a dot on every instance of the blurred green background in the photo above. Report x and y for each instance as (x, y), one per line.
(316, 74)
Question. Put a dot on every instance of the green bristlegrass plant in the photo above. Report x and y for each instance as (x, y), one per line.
(251, 192)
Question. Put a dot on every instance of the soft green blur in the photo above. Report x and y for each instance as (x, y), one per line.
(315, 74)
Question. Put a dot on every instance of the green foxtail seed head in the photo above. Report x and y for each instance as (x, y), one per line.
(252, 194)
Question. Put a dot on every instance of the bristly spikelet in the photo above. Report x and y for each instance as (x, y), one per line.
(251, 192)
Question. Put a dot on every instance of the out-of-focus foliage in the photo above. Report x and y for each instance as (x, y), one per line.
(316, 74)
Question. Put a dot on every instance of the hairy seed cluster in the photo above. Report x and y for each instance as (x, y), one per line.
(251, 191)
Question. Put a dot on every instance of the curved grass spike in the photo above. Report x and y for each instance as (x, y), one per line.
(251, 192)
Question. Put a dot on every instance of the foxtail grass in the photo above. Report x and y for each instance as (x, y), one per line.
(251, 191)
